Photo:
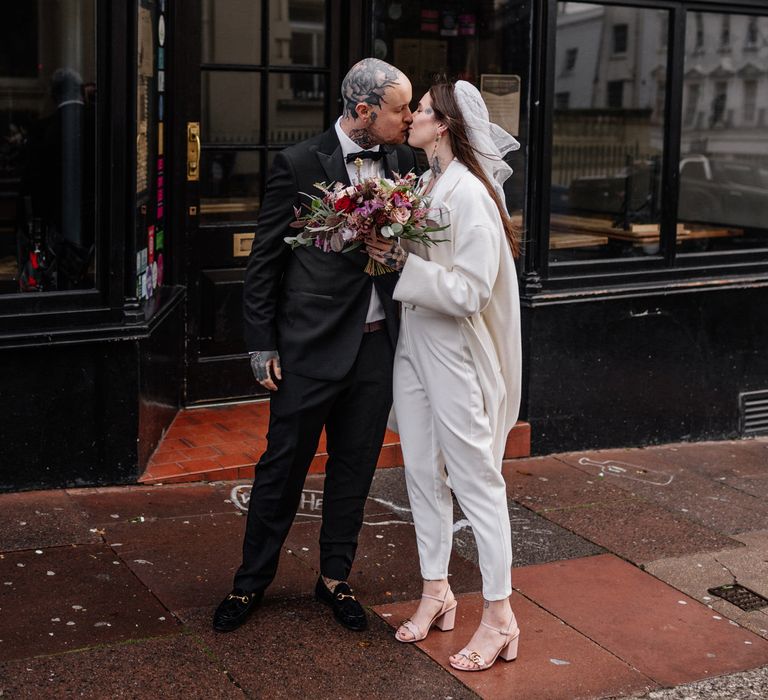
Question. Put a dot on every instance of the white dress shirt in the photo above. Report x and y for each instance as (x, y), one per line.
(370, 168)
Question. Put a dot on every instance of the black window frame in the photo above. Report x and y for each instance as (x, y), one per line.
(23, 312)
(539, 274)
(264, 69)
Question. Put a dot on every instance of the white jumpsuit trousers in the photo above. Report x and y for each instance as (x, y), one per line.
(444, 428)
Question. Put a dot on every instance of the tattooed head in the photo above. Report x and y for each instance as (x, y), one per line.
(367, 81)
(376, 103)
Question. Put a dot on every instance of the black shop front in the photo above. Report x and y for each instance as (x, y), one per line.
(135, 139)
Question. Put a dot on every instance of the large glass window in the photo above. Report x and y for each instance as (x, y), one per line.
(254, 101)
(608, 134)
(723, 202)
(484, 43)
(47, 146)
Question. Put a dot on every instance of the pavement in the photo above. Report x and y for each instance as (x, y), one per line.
(109, 592)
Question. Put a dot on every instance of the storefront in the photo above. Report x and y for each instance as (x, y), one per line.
(134, 143)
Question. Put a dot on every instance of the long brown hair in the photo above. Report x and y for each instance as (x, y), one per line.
(447, 111)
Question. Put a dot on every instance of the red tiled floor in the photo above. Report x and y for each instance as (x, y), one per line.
(663, 633)
(555, 662)
(225, 442)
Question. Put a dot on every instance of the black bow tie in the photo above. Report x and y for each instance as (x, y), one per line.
(363, 155)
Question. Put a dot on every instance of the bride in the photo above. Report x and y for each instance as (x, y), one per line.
(457, 365)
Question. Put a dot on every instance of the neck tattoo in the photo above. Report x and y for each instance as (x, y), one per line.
(362, 138)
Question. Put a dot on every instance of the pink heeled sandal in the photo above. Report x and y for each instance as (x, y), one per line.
(507, 651)
(444, 620)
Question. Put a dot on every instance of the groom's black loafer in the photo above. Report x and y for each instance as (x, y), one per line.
(345, 607)
(235, 609)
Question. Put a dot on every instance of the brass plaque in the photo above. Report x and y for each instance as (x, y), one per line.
(241, 244)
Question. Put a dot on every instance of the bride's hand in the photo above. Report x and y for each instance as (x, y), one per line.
(387, 251)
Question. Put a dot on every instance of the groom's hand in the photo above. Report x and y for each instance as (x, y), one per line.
(266, 368)
(387, 251)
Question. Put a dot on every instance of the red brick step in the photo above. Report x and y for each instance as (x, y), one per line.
(225, 442)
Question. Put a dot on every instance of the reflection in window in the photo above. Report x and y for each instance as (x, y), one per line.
(570, 60)
(752, 34)
(47, 146)
(719, 103)
(620, 38)
(615, 94)
(725, 32)
(692, 93)
(724, 163)
(750, 101)
(487, 44)
(608, 137)
(698, 42)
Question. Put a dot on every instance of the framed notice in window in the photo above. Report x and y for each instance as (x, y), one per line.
(502, 95)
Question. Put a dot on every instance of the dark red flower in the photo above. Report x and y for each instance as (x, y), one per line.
(344, 204)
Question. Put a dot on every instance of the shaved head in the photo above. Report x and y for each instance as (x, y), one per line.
(376, 103)
(367, 81)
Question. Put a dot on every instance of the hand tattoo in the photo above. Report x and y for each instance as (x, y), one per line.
(395, 257)
(367, 81)
(259, 360)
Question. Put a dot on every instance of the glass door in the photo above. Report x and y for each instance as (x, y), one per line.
(262, 75)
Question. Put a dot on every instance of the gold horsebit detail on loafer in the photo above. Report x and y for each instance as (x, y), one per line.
(341, 596)
(242, 598)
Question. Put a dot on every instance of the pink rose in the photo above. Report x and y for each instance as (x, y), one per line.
(401, 215)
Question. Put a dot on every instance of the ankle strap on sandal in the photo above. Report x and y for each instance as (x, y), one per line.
(434, 597)
(506, 632)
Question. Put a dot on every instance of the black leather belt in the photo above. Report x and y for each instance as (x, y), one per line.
(374, 326)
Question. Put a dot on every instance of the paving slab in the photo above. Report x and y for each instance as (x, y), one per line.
(547, 483)
(657, 476)
(295, 649)
(663, 633)
(754, 485)
(41, 519)
(732, 462)
(535, 540)
(638, 530)
(747, 685)
(697, 573)
(555, 662)
(694, 575)
(172, 667)
(717, 459)
(69, 597)
(386, 566)
(125, 503)
(190, 562)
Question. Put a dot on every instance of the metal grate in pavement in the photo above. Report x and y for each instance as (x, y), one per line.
(741, 597)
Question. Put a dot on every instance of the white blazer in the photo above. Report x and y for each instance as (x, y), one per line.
(471, 276)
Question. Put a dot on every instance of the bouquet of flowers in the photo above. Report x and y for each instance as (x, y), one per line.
(342, 218)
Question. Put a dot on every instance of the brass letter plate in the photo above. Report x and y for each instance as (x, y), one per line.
(241, 244)
(193, 151)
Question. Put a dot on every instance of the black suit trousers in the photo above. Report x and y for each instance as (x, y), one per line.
(354, 411)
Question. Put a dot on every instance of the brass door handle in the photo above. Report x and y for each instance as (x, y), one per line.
(193, 151)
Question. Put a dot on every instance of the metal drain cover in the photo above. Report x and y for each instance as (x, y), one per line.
(741, 597)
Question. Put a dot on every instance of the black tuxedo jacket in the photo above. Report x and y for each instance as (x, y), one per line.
(310, 305)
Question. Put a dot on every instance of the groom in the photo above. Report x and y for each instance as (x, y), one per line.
(321, 335)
